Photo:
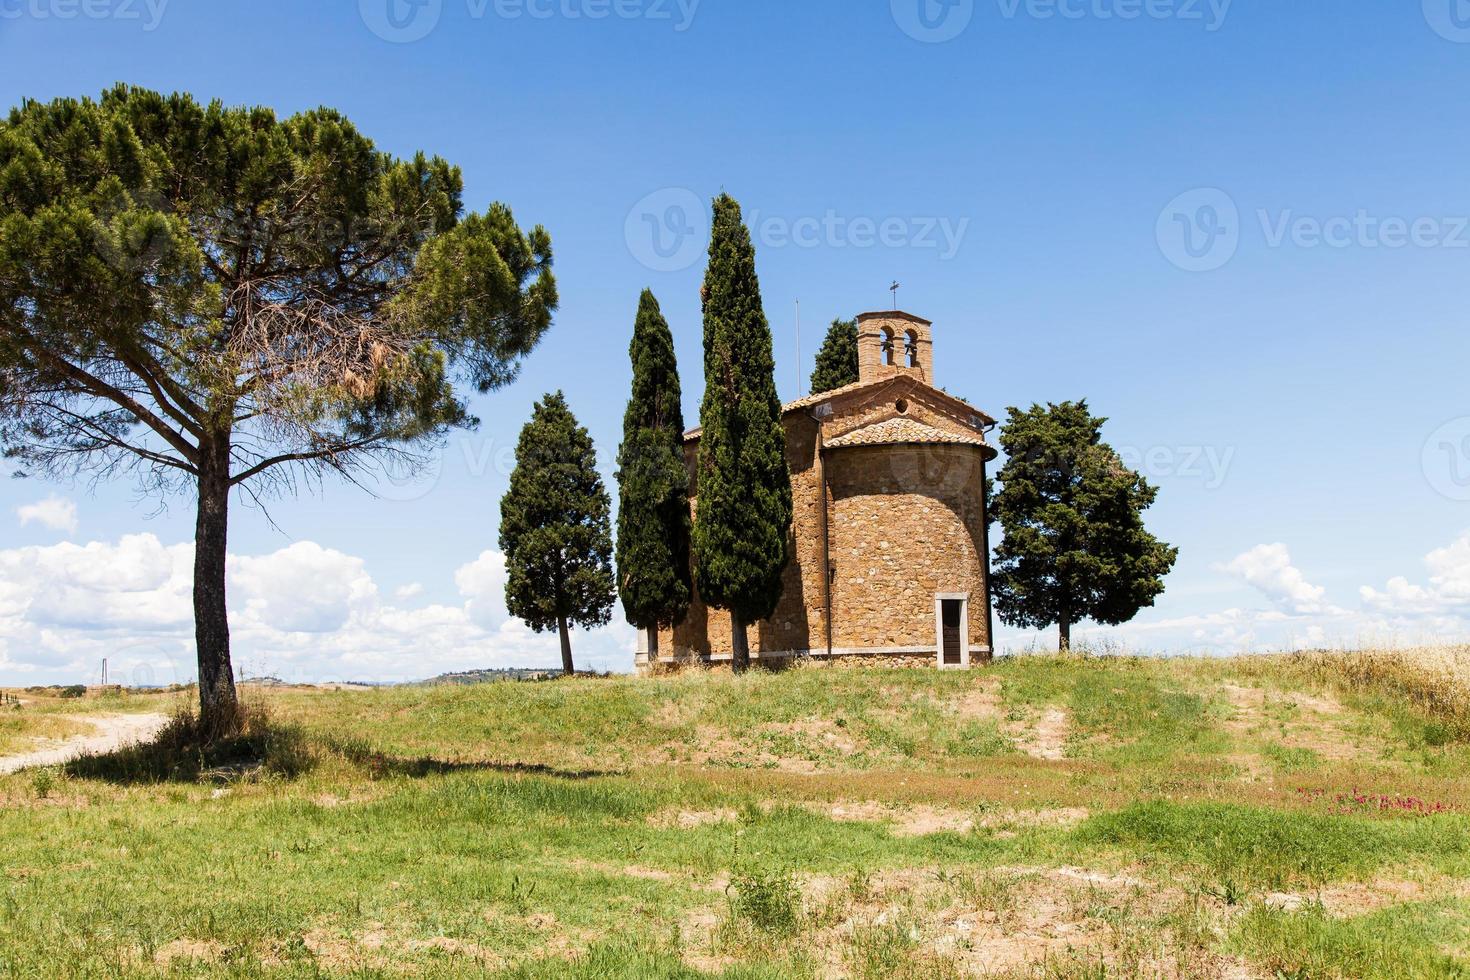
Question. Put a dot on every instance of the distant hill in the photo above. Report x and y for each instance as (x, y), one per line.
(492, 676)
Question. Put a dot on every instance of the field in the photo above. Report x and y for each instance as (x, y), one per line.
(1088, 817)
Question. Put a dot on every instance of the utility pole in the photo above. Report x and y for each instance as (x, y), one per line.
(104, 671)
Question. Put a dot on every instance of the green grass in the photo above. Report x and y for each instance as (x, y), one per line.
(1274, 848)
(1402, 943)
(703, 825)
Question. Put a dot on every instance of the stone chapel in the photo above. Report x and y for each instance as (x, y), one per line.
(889, 539)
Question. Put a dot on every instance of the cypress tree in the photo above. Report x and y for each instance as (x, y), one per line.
(653, 494)
(743, 513)
(554, 528)
(837, 361)
(1075, 546)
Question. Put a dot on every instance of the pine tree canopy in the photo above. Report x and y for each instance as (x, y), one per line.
(837, 361)
(554, 525)
(211, 297)
(653, 495)
(1075, 546)
(192, 273)
(743, 513)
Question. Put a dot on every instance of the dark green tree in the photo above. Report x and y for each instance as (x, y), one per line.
(215, 299)
(837, 361)
(653, 484)
(743, 515)
(554, 528)
(1075, 546)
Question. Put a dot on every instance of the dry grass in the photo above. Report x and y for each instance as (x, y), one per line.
(1436, 680)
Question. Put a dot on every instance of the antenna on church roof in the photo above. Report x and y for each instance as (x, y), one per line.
(894, 290)
(798, 348)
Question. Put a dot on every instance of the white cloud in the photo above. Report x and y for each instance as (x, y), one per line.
(1268, 568)
(482, 583)
(410, 591)
(301, 613)
(56, 513)
(1446, 595)
(303, 589)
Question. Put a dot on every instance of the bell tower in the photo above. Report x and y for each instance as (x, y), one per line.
(895, 343)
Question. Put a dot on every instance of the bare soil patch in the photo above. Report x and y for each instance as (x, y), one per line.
(1046, 737)
(1296, 721)
(690, 819)
(113, 732)
(919, 819)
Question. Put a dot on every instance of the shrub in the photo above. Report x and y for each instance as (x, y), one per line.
(767, 899)
(188, 751)
(44, 781)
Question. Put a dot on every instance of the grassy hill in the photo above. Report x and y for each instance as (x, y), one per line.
(1304, 816)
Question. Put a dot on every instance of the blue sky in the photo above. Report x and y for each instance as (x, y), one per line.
(1241, 230)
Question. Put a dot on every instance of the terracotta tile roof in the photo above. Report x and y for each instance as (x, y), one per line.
(821, 397)
(902, 430)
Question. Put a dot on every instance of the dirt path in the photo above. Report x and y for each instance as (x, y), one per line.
(1046, 736)
(113, 732)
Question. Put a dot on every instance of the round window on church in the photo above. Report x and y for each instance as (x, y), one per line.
(902, 406)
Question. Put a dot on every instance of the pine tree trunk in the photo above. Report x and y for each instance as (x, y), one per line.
(739, 643)
(566, 647)
(1064, 644)
(218, 703)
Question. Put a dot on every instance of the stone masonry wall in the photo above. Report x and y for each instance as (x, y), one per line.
(906, 523)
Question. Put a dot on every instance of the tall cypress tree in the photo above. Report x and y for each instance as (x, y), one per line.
(837, 361)
(743, 513)
(1075, 546)
(554, 528)
(653, 495)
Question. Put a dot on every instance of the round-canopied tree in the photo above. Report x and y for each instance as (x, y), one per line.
(653, 484)
(216, 299)
(554, 528)
(1075, 546)
(742, 515)
(837, 360)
